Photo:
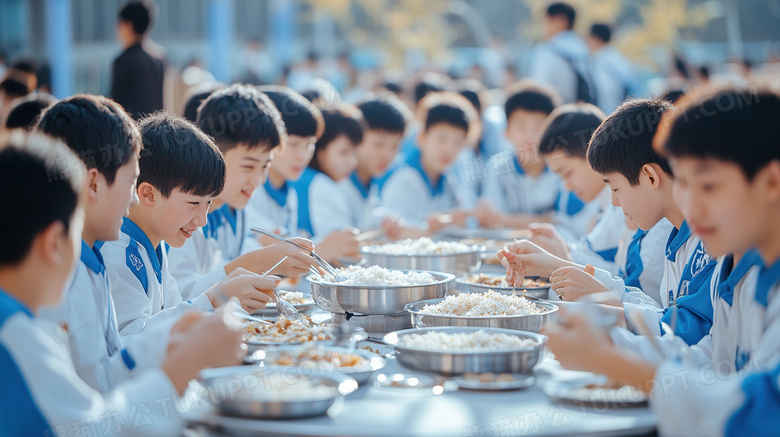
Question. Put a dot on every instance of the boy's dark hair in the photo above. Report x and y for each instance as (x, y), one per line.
(429, 83)
(563, 9)
(14, 87)
(27, 110)
(42, 179)
(97, 129)
(300, 116)
(240, 116)
(138, 14)
(195, 97)
(601, 31)
(672, 96)
(448, 108)
(179, 155)
(531, 97)
(624, 141)
(385, 113)
(342, 120)
(737, 125)
(569, 128)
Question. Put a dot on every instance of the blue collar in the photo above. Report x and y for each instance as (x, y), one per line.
(364, 189)
(413, 160)
(10, 305)
(518, 167)
(731, 274)
(139, 236)
(767, 277)
(677, 239)
(279, 195)
(92, 258)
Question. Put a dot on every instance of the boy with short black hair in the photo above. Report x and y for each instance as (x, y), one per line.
(247, 129)
(726, 165)
(420, 191)
(27, 110)
(385, 118)
(274, 206)
(42, 394)
(181, 172)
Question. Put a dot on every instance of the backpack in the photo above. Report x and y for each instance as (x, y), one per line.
(586, 91)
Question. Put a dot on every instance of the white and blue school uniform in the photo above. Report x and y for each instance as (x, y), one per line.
(363, 200)
(728, 383)
(274, 208)
(43, 395)
(101, 357)
(600, 246)
(516, 192)
(572, 217)
(409, 193)
(322, 205)
(641, 260)
(141, 283)
(200, 262)
(685, 284)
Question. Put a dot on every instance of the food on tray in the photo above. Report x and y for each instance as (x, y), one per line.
(489, 377)
(338, 359)
(500, 281)
(277, 387)
(420, 246)
(375, 275)
(461, 342)
(294, 297)
(286, 331)
(490, 303)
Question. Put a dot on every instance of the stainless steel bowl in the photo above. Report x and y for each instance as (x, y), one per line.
(496, 361)
(376, 323)
(530, 322)
(270, 310)
(464, 286)
(239, 383)
(457, 264)
(361, 373)
(380, 299)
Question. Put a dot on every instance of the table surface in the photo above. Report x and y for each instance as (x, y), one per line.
(381, 411)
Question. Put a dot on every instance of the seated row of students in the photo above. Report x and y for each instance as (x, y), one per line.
(725, 162)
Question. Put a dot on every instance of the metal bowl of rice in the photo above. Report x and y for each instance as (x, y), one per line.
(455, 350)
(375, 290)
(486, 310)
(425, 254)
(534, 286)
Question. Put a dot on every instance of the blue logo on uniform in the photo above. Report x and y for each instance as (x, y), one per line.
(699, 261)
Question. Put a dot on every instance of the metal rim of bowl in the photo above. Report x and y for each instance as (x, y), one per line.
(540, 339)
(474, 248)
(446, 278)
(551, 308)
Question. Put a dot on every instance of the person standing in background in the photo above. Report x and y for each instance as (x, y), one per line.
(612, 72)
(138, 73)
(562, 62)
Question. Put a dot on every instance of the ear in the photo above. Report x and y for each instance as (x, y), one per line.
(771, 175)
(93, 176)
(48, 243)
(147, 194)
(653, 175)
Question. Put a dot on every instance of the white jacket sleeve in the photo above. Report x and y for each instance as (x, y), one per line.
(187, 267)
(328, 208)
(399, 195)
(136, 407)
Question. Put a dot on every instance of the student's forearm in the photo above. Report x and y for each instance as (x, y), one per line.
(627, 369)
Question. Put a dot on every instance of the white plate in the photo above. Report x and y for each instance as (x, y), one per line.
(578, 391)
(521, 380)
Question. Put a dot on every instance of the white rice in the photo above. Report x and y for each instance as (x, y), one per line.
(421, 246)
(479, 340)
(486, 304)
(376, 275)
(277, 388)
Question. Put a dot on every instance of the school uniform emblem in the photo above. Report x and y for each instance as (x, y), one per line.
(136, 262)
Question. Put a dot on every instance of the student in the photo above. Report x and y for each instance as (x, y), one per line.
(563, 147)
(726, 165)
(274, 205)
(247, 129)
(100, 357)
(195, 96)
(420, 192)
(641, 183)
(525, 191)
(323, 209)
(385, 119)
(42, 393)
(27, 110)
(181, 172)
